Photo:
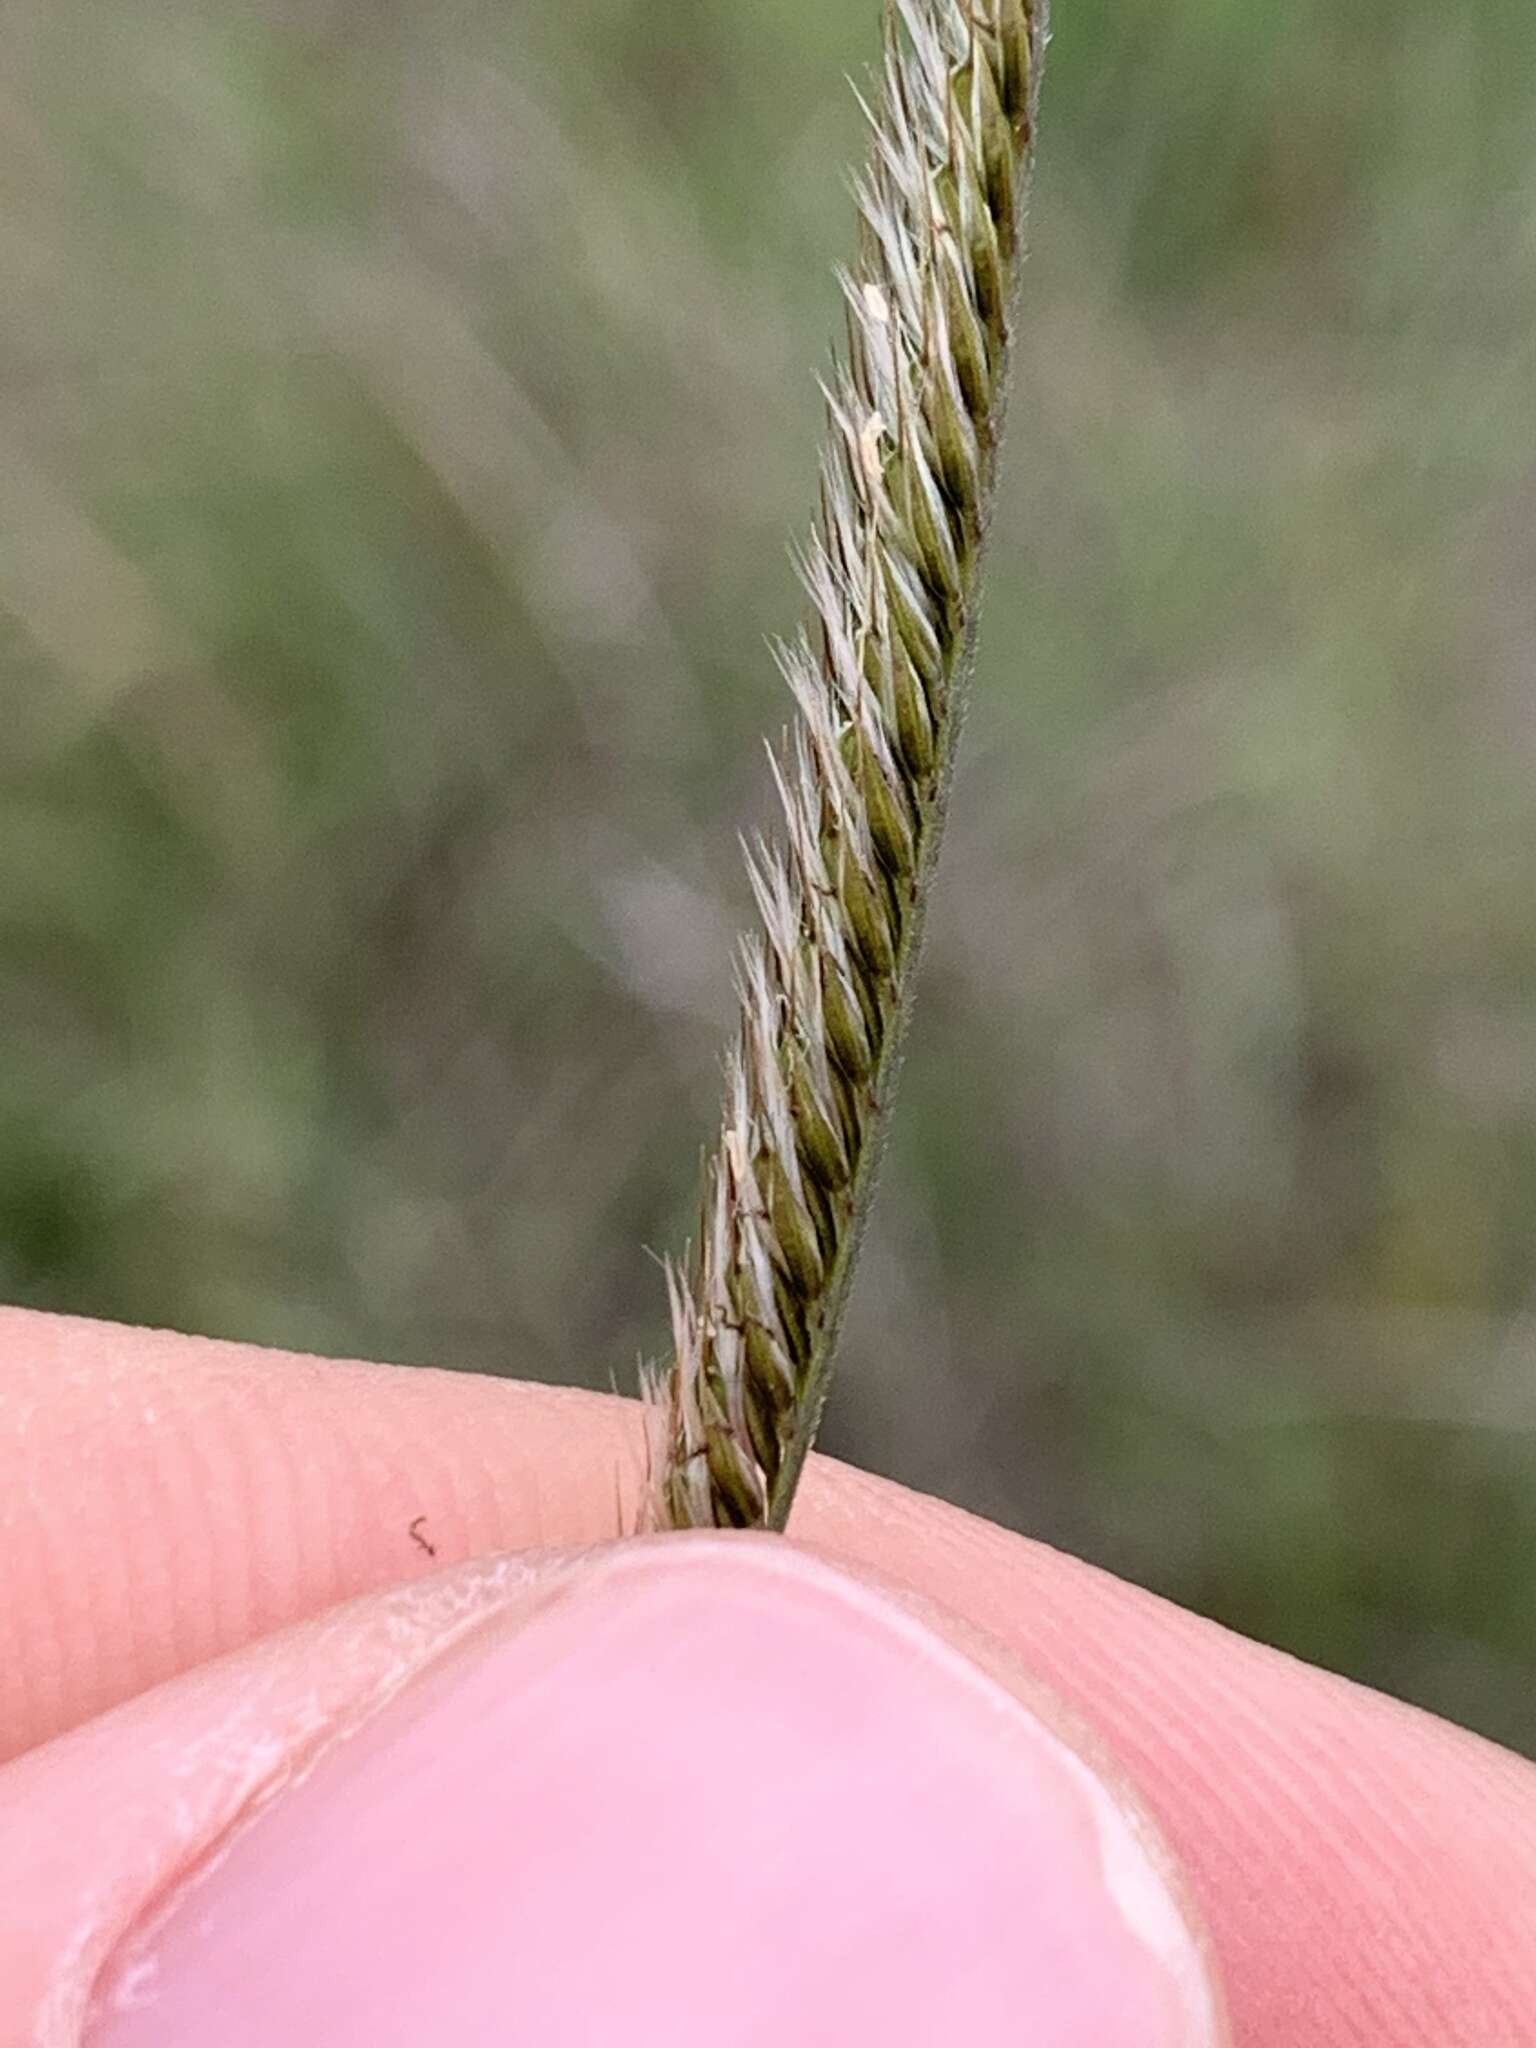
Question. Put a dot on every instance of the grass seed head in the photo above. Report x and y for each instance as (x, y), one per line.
(914, 416)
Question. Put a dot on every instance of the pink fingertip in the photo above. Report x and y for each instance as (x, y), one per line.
(717, 1793)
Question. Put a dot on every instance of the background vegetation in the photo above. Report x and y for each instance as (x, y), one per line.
(403, 415)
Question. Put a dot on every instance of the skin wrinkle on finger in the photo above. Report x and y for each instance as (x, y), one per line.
(1366, 1870)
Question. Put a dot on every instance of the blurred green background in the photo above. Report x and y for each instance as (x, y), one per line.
(404, 415)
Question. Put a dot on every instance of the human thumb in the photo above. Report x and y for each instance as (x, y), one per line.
(689, 1790)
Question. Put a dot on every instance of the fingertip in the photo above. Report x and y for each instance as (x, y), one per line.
(703, 1789)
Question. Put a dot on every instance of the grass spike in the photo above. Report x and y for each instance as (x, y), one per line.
(892, 573)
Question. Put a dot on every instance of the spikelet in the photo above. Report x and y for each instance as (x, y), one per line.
(914, 414)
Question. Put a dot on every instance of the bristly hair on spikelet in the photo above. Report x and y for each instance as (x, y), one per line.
(914, 419)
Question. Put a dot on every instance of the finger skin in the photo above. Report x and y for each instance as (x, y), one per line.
(164, 1499)
(1367, 1872)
